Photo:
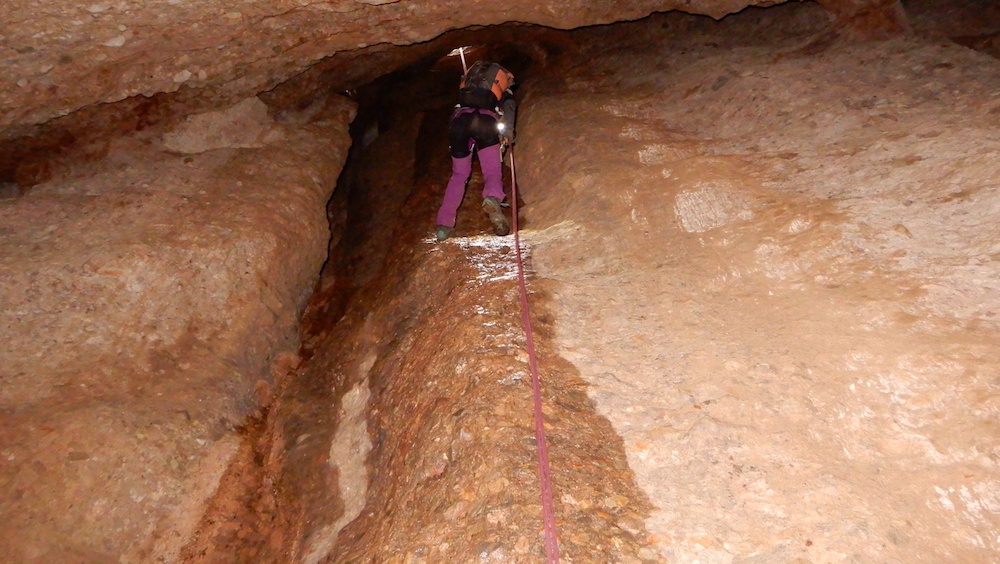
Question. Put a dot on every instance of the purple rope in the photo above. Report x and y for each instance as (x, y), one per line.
(544, 475)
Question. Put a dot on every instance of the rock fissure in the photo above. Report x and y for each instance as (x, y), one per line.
(762, 257)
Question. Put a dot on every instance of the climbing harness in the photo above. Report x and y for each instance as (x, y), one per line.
(544, 476)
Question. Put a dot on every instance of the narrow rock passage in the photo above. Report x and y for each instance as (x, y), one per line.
(769, 251)
(431, 348)
(778, 289)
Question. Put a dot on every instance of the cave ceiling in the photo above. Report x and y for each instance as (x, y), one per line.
(61, 56)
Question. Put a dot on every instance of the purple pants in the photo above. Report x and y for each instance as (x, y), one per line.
(461, 169)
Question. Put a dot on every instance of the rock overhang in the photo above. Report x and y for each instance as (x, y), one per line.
(64, 55)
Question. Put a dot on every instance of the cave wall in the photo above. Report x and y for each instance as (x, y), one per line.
(65, 55)
(150, 302)
(866, 19)
(152, 292)
(775, 251)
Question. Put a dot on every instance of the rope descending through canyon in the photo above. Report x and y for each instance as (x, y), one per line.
(544, 475)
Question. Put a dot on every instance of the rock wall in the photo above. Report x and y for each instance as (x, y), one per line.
(69, 55)
(774, 261)
(150, 300)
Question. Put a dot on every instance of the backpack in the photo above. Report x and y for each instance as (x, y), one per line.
(483, 85)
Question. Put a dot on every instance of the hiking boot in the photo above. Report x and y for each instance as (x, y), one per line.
(442, 232)
(491, 207)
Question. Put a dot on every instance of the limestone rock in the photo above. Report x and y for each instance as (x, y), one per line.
(145, 298)
(72, 55)
(245, 125)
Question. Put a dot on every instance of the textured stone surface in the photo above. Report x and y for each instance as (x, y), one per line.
(879, 19)
(725, 259)
(148, 298)
(66, 55)
(814, 379)
(62, 56)
(245, 125)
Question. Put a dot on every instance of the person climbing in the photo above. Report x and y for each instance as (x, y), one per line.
(483, 119)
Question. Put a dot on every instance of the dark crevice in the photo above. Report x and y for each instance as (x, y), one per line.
(365, 205)
(382, 207)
